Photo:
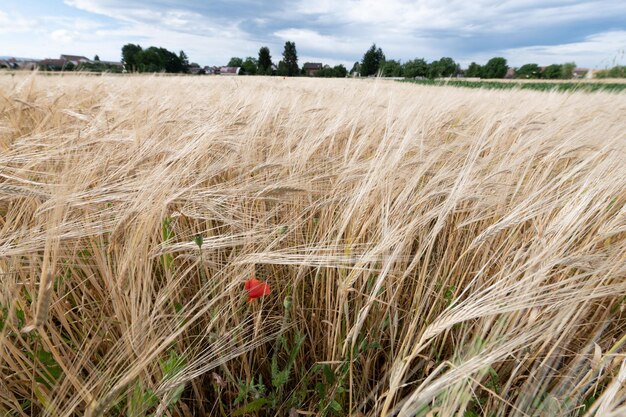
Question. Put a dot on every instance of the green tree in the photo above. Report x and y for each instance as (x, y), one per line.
(415, 68)
(567, 70)
(392, 68)
(131, 56)
(69, 66)
(356, 68)
(155, 59)
(528, 71)
(235, 62)
(617, 72)
(96, 58)
(495, 68)
(445, 67)
(290, 59)
(151, 60)
(340, 71)
(553, 71)
(325, 72)
(249, 66)
(173, 62)
(184, 61)
(265, 61)
(474, 70)
(282, 69)
(372, 61)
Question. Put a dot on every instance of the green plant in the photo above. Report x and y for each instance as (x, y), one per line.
(167, 234)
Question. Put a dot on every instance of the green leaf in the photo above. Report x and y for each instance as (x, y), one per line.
(335, 406)
(199, 241)
(51, 369)
(178, 392)
(168, 260)
(172, 366)
(281, 378)
(167, 233)
(320, 389)
(4, 313)
(141, 400)
(329, 374)
(252, 406)
(21, 318)
(166, 229)
(299, 340)
(150, 399)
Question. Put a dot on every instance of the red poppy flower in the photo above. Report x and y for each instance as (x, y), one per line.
(256, 288)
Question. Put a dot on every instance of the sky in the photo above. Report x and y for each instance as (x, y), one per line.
(590, 33)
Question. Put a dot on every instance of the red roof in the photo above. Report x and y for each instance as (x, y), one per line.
(229, 70)
(55, 62)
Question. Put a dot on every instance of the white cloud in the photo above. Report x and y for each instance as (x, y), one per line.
(329, 31)
(204, 40)
(61, 35)
(599, 50)
(15, 23)
(314, 41)
(460, 16)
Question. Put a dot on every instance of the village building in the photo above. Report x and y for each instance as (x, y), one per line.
(582, 73)
(194, 68)
(229, 71)
(75, 59)
(52, 64)
(311, 68)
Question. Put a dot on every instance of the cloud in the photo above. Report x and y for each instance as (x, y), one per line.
(15, 23)
(62, 36)
(459, 16)
(314, 41)
(601, 49)
(329, 31)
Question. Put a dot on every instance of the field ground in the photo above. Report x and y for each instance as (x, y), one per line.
(430, 251)
(586, 86)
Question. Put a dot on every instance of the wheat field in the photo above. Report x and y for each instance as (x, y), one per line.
(431, 251)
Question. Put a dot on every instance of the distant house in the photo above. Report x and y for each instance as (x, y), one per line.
(194, 68)
(581, 73)
(212, 70)
(112, 63)
(229, 70)
(311, 68)
(75, 59)
(27, 65)
(51, 64)
(510, 73)
(18, 63)
(6, 64)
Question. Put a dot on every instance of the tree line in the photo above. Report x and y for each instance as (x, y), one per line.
(373, 63)
(287, 67)
(153, 59)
